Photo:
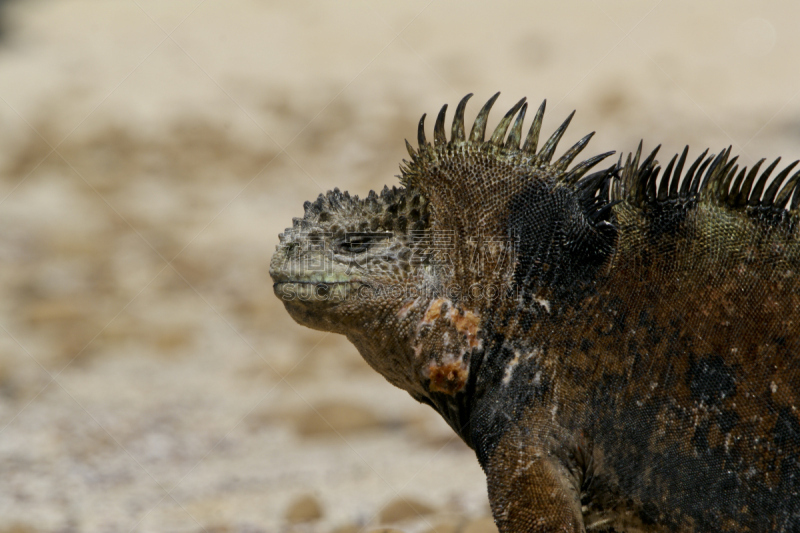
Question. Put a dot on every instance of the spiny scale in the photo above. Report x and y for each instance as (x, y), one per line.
(570, 154)
(511, 142)
(550, 146)
(715, 179)
(532, 140)
(581, 168)
(516, 132)
(755, 197)
(458, 134)
(501, 129)
(479, 127)
(744, 192)
(439, 137)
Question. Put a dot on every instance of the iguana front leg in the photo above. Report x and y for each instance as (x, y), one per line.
(532, 489)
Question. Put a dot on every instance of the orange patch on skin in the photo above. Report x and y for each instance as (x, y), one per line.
(448, 378)
(434, 310)
(467, 324)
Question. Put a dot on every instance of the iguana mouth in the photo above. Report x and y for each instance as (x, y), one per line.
(322, 285)
(305, 282)
(334, 292)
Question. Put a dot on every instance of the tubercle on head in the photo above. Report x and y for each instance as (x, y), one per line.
(339, 227)
(397, 209)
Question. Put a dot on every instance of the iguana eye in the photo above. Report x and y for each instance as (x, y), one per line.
(356, 243)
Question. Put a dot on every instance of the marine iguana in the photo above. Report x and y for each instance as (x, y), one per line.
(621, 351)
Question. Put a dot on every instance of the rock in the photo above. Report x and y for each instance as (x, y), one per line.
(18, 528)
(481, 525)
(386, 530)
(305, 508)
(348, 528)
(403, 509)
(335, 418)
(450, 526)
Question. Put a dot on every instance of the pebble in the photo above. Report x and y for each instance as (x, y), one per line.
(335, 417)
(403, 508)
(348, 528)
(444, 527)
(305, 508)
(481, 525)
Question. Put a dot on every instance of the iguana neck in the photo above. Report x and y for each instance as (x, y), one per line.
(428, 347)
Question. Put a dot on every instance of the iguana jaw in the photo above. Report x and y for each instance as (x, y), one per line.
(313, 298)
(306, 304)
(357, 307)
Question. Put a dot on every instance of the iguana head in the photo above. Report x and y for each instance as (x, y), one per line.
(333, 266)
(413, 276)
(350, 265)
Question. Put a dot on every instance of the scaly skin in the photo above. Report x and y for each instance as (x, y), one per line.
(621, 353)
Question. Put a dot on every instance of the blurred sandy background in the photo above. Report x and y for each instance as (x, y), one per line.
(150, 153)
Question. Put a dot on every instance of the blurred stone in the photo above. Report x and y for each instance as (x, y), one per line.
(8, 387)
(173, 339)
(449, 526)
(403, 509)
(305, 508)
(481, 525)
(216, 529)
(307, 367)
(18, 528)
(335, 418)
(434, 432)
(53, 310)
(386, 530)
(611, 101)
(348, 528)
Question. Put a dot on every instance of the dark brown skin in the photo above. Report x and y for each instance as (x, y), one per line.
(700, 404)
(624, 355)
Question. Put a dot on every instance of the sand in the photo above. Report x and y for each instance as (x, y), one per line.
(152, 151)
